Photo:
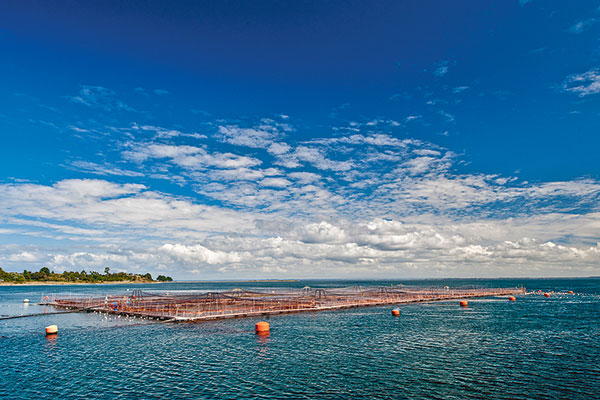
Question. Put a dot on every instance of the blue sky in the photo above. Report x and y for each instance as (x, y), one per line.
(226, 139)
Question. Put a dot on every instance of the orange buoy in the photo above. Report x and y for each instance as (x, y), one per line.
(546, 294)
(51, 330)
(540, 291)
(464, 303)
(570, 292)
(396, 312)
(261, 328)
(512, 298)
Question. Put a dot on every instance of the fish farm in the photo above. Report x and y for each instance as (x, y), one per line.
(238, 303)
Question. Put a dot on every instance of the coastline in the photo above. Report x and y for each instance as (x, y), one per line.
(59, 283)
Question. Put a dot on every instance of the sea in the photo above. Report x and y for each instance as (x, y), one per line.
(533, 348)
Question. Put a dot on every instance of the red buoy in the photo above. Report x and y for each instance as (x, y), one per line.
(512, 298)
(396, 312)
(570, 292)
(546, 294)
(464, 303)
(261, 328)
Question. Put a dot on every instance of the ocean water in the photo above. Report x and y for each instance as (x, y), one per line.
(536, 347)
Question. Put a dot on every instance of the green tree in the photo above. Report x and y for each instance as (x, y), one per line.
(5, 276)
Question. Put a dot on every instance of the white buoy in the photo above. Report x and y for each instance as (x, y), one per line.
(26, 301)
(51, 330)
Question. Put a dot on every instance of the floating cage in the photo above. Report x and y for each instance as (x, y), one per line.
(244, 303)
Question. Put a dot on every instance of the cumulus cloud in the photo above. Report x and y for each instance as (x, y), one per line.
(362, 203)
(304, 177)
(187, 157)
(279, 148)
(322, 232)
(275, 182)
(259, 136)
(111, 210)
(198, 254)
(317, 158)
(426, 245)
(314, 156)
(23, 256)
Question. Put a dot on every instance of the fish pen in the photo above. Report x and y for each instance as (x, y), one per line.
(246, 303)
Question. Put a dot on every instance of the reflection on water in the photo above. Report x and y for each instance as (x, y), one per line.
(51, 340)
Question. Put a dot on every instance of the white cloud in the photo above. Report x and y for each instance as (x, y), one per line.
(242, 174)
(419, 165)
(187, 157)
(322, 232)
(99, 97)
(304, 177)
(275, 182)
(314, 156)
(23, 256)
(317, 158)
(375, 139)
(449, 117)
(583, 84)
(215, 242)
(260, 136)
(441, 69)
(278, 148)
(111, 210)
(460, 89)
(167, 133)
(198, 254)
(358, 205)
(580, 26)
(98, 169)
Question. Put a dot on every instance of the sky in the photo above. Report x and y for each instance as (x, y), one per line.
(308, 139)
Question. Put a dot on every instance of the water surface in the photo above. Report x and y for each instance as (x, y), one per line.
(535, 347)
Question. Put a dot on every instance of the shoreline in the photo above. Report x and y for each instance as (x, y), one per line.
(58, 283)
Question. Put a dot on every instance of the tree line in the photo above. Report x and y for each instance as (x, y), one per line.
(45, 275)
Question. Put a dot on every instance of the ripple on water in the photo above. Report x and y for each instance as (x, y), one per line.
(532, 348)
